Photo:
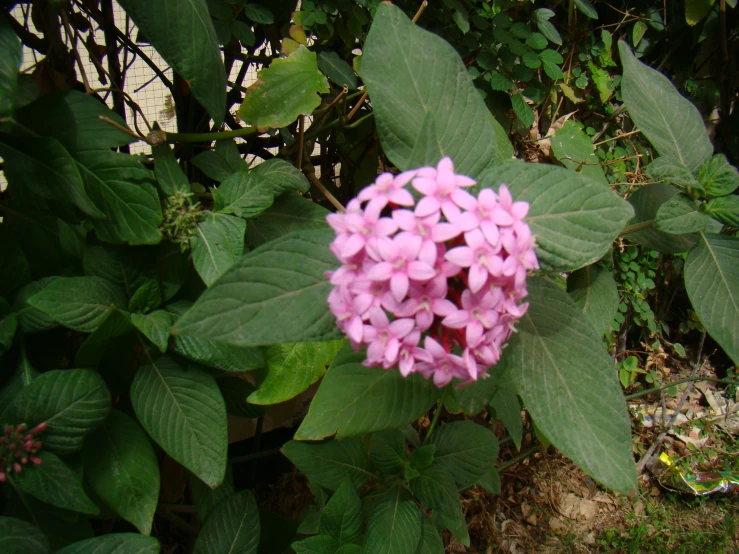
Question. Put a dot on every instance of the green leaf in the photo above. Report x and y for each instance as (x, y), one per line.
(696, 10)
(274, 294)
(244, 195)
(155, 327)
(73, 118)
(147, 297)
(222, 162)
(115, 543)
(289, 87)
(182, 32)
(467, 451)
(724, 209)
(22, 377)
(123, 189)
(563, 204)
(717, 177)
(679, 215)
(20, 537)
(549, 31)
(523, 110)
(320, 544)
(236, 391)
(498, 81)
(54, 483)
(8, 326)
(342, 517)
(120, 266)
(672, 171)
(647, 202)
(637, 32)
(587, 8)
(551, 61)
(670, 122)
(567, 382)
(594, 290)
(435, 487)
(387, 451)
(712, 283)
(72, 402)
(288, 214)
(337, 70)
(11, 56)
(394, 527)
(491, 481)
(422, 458)
(205, 498)
(233, 527)
(15, 270)
(184, 412)
(508, 410)
(354, 399)
(536, 41)
(259, 14)
(116, 324)
(471, 399)
(328, 463)
(430, 542)
(281, 175)
(80, 303)
(292, 368)
(410, 72)
(219, 242)
(531, 60)
(122, 469)
(44, 166)
(574, 149)
(168, 172)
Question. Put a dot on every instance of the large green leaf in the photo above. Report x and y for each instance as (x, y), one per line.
(292, 368)
(236, 391)
(672, 171)
(184, 412)
(124, 190)
(430, 542)
(680, 215)
(281, 175)
(233, 527)
(567, 382)
(115, 325)
(289, 213)
(11, 56)
(54, 483)
(115, 543)
(573, 218)
(218, 355)
(274, 294)
(218, 243)
(205, 498)
(410, 73)
(574, 149)
(22, 377)
(168, 172)
(73, 118)
(72, 402)
(328, 463)
(80, 303)
(342, 517)
(724, 209)
(244, 195)
(120, 265)
(387, 451)
(670, 122)
(155, 327)
(394, 526)
(122, 468)
(289, 87)
(20, 537)
(594, 289)
(712, 283)
(467, 450)
(182, 32)
(15, 270)
(354, 399)
(508, 410)
(435, 487)
(647, 202)
(8, 326)
(44, 166)
(336, 69)
(471, 399)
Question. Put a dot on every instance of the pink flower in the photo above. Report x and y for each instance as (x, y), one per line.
(403, 259)
(411, 277)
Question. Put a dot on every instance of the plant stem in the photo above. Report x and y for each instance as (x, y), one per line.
(439, 409)
(209, 137)
(522, 456)
(686, 380)
(636, 227)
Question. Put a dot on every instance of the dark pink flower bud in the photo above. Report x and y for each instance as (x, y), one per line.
(41, 427)
(35, 460)
(17, 467)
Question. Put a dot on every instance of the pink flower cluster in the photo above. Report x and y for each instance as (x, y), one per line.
(17, 448)
(449, 269)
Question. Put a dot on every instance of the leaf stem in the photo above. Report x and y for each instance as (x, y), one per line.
(643, 226)
(686, 380)
(209, 137)
(439, 409)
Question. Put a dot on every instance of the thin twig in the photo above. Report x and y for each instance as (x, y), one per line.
(122, 128)
(301, 135)
(617, 137)
(319, 185)
(437, 414)
(72, 37)
(673, 418)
